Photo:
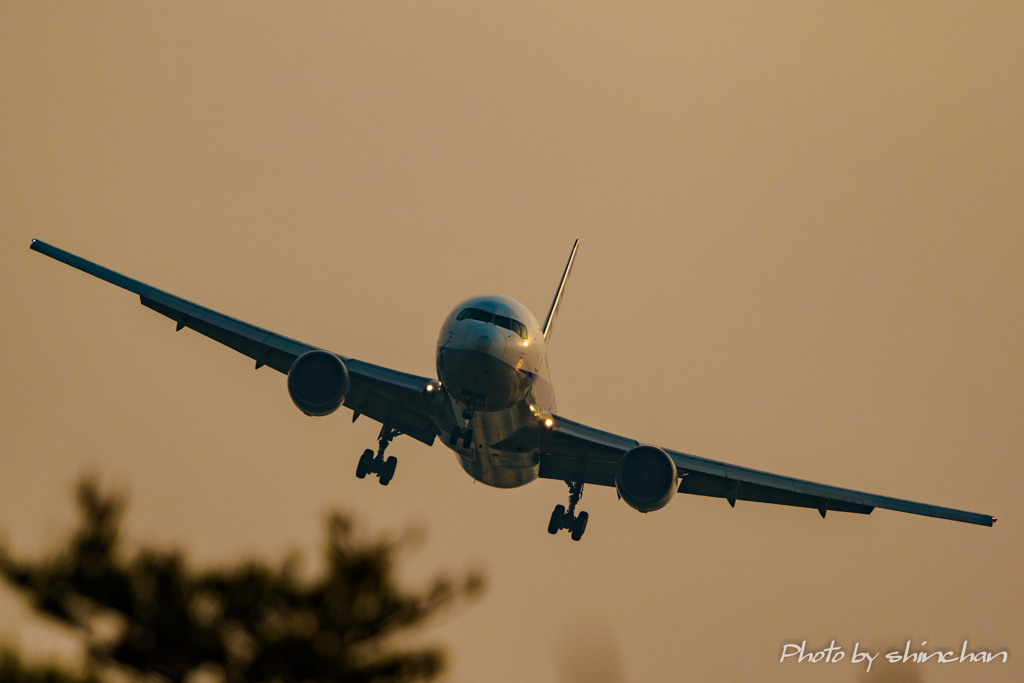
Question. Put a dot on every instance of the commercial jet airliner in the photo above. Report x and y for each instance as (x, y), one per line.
(493, 405)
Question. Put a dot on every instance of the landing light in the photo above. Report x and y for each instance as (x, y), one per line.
(430, 388)
(548, 422)
(526, 343)
(532, 410)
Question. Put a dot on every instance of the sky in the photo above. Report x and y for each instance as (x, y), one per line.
(801, 250)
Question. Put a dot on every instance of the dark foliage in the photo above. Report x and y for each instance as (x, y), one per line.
(153, 615)
(13, 670)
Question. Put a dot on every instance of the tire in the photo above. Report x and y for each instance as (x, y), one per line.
(364, 463)
(579, 525)
(556, 519)
(467, 438)
(389, 470)
(454, 438)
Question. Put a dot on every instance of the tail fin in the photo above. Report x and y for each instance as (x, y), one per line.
(558, 295)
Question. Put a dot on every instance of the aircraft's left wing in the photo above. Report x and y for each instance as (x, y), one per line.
(377, 392)
(571, 451)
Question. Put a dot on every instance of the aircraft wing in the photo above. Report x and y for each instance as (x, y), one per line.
(377, 392)
(571, 451)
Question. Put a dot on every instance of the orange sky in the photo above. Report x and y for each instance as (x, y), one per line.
(802, 250)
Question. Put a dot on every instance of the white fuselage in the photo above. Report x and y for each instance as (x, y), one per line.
(493, 365)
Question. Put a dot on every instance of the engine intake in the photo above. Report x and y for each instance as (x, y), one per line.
(646, 478)
(318, 382)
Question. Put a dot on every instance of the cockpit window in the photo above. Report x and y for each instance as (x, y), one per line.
(499, 320)
(482, 316)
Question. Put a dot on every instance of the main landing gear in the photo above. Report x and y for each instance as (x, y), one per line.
(370, 464)
(568, 519)
(465, 433)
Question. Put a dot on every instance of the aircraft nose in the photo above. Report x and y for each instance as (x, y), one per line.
(489, 340)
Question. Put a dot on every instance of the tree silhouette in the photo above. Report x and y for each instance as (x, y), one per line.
(152, 615)
(13, 670)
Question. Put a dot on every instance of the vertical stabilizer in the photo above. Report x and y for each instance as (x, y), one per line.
(558, 295)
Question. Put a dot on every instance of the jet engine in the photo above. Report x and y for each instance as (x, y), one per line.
(646, 478)
(318, 382)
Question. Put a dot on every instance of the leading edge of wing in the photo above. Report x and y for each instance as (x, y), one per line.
(569, 441)
(380, 393)
(249, 339)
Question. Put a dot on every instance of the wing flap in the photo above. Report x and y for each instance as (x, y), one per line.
(253, 346)
(699, 484)
(597, 472)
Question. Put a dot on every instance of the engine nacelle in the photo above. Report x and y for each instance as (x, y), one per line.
(646, 478)
(318, 382)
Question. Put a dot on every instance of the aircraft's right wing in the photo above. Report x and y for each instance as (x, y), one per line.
(380, 393)
(572, 451)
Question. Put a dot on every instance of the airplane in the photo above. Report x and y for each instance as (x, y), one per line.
(493, 405)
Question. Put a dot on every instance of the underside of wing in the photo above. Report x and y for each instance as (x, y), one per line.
(391, 397)
(395, 399)
(572, 452)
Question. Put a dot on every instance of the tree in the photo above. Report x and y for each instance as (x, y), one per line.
(152, 614)
(13, 670)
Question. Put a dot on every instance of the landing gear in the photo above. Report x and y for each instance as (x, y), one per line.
(365, 463)
(465, 432)
(556, 519)
(561, 518)
(579, 525)
(458, 433)
(388, 470)
(383, 468)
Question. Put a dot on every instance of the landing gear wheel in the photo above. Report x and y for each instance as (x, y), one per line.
(365, 463)
(467, 439)
(454, 438)
(556, 519)
(388, 471)
(579, 525)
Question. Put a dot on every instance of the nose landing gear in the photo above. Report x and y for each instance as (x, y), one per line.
(370, 464)
(459, 433)
(568, 519)
(464, 432)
